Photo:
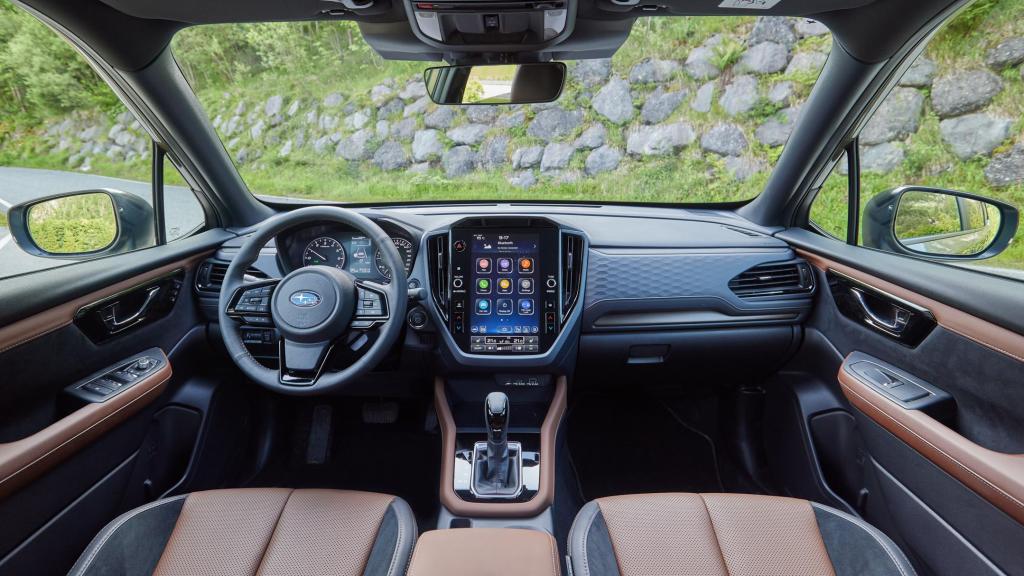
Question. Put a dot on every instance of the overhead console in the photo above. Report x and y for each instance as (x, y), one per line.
(506, 287)
(502, 26)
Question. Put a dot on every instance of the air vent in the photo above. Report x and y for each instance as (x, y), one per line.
(572, 271)
(775, 279)
(211, 276)
(437, 247)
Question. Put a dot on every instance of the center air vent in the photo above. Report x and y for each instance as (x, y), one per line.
(211, 273)
(775, 279)
(437, 252)
(572, 271)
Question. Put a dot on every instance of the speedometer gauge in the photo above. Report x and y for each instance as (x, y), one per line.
(404, 250)
(325, 251)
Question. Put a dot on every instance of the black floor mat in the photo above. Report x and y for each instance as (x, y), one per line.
(400, 458)
(629, 446)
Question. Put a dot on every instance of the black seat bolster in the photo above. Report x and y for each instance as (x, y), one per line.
(856, 547)
(131, 545)
(590, 544)
(392, 549)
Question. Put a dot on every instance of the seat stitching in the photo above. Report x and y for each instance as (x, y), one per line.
(398, 541)
(586, 538)
(865, 527)
(554, 556)
(266, 547)
(714, 532)
(115, 527)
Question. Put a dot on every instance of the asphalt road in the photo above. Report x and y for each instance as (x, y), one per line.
(19, 185)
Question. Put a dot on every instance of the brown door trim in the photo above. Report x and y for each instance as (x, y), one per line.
(548, 432)
(995, 476)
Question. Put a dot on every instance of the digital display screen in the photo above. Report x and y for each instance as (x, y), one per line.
(360, 250)
(504, 291)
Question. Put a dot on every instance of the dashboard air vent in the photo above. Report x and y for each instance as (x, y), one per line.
(775, 279)
(572, 271)
(211, 273)
(437, 247)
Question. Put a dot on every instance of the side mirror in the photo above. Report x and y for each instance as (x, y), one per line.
(940, 224)
(500, 84)
(85, 223)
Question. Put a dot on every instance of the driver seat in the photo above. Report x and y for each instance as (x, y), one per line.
(265, 531)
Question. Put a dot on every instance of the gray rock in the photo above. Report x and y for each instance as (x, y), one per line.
(776, 131)
(293, 108)
(427, 145)
(1007, 168)
(419, 168)
(232, 125)
(883, 158)
(356, 147)
(481, 114)
(592, 72)
(963, 92)
(1007, 53)
(273, 105)
(806, 62)
(603, 159)
(522, 179)
(382, 128)
(93, 131)
(467, 134)
(659, 140)
(333, 99)
(740, 95)
(593, 137)
(660, 105)
(394, 106)
(355, 121)
(776, 29)
(781, 92)
(256, 130)
(614, 101)
(242, 157)
(702, 100)
(700, 64)
(742, 168)
(240, 109)
(724, 140)
(391, 156)
(554, 123)
(541, 106)
(920, 74)
(404, 129)
(556, 156)
(320, 144)
(512, 119)
(764, 58)
(458, 161)
(312, 117)
(494, 152)
(650, 70)
(805, 28)
(441, 118)
(974, 134)
(124, 139)
(898, 117)
(380, 94)
(527, 157)
(413, 90)
(417, 107)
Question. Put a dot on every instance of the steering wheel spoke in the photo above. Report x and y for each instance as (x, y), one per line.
(250, 303)
(301, 363)
(372, 307)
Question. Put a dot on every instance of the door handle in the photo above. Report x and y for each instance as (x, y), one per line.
(896, 326)
(114, 324)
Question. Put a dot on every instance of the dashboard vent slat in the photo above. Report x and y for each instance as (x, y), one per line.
(437, 247)
(572, 271)
(210, 276)
(774, 279)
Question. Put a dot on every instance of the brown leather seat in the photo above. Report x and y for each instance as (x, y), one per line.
(265, 531)
(727, 535)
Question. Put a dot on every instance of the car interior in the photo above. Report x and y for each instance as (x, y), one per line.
(510, 387)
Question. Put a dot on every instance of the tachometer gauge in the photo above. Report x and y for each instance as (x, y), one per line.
(324, 251)
(404, 250)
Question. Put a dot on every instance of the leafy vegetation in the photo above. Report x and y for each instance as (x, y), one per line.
(72, 225)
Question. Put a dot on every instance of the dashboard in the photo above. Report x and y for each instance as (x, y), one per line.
(344, 248)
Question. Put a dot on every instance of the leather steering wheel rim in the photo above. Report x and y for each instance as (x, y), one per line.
(396, 292)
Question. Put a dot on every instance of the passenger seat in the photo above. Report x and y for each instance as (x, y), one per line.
(727, 535)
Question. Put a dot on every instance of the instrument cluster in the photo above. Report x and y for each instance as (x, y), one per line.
(344, 248)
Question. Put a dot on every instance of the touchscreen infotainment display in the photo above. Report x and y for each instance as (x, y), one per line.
(503, 287)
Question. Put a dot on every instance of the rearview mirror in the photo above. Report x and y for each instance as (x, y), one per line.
(935, 223)
(85, 223)
(498, 84)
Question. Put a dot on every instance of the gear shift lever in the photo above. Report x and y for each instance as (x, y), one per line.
(496, 415)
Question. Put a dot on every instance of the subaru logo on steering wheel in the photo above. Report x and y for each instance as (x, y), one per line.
(305, 298)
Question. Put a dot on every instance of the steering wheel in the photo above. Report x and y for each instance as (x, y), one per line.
(320, 311)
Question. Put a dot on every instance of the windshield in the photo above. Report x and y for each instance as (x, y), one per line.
(689, 110)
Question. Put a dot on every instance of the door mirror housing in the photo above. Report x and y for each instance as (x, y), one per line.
(495, 84)
(97, 222)
(938, 224)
